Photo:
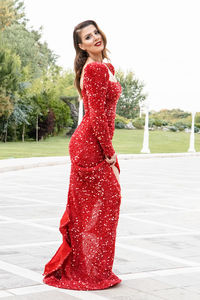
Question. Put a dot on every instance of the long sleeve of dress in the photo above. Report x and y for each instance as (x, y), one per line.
(96, 79)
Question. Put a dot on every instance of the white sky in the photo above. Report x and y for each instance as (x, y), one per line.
(158, 40)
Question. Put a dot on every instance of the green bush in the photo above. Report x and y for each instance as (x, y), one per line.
(197, 118)
(151, 122)
(120, 125)
(180, 125)
(138, 123)
(120, 122)
(173, 128)
(158, 122)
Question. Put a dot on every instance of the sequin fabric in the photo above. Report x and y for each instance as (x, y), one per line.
(88, 226)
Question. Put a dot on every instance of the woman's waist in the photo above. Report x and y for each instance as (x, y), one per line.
(86, 126)
(110, 117)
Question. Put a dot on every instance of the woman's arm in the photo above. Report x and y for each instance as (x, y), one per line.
(96, 79)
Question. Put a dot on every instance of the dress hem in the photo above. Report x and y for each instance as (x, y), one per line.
(78, 285)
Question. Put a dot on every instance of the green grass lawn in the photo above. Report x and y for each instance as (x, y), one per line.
(124, 141)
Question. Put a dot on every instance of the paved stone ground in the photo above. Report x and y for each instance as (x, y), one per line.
(158, 243)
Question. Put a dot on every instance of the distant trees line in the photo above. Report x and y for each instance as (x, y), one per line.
(165, 119)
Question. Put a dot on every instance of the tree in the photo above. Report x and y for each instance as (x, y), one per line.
(128, 103)
(19, 117)
(10, 67)
(11, 11)
(46, 126)
(31, 84)
(31, 51)
(44, 94)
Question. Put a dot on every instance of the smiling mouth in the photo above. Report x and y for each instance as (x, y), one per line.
(98, 43)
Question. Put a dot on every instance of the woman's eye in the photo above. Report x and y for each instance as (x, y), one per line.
(97, 32)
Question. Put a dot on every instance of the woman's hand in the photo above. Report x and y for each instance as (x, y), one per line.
(111, 160)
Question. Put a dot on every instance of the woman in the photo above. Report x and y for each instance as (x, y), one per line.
(84, 260)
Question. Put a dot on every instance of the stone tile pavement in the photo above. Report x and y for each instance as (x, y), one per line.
(158, 242)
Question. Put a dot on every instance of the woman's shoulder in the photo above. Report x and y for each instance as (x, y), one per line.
(96, 70)
(94, 65)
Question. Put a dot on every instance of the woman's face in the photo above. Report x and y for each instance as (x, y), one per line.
(89, 37)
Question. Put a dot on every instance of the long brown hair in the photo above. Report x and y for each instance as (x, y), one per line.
(82, 55)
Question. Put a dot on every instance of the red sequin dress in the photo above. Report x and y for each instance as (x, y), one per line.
(88, 226)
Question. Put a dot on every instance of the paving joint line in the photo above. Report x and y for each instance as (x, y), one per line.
(158, 254)
(160, 224)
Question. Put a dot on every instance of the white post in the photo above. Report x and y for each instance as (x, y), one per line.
(192, 141)
(145, 148)
(80, 110)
